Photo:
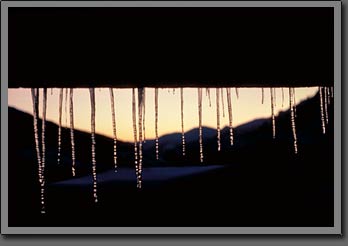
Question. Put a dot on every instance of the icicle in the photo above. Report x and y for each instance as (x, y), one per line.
(208, 94)
(294, 100)
(293, 125)
(156, 122)
(144, 136)
(94, 164)
(325, 105)
(43, 134)
(263, 95)
(66, 107)
(328, 95)
(134, 117)
(332, 91)
(237, 93)
(218, 118)
(272, 110)
(140, 123)
(229, 105)
(43, 153)
(282, 97)
(222, 101)
(322, 113)
(114, 126)
(60, 125)
(200, 124)
(35, 99)
(72, 132)
(182, 120)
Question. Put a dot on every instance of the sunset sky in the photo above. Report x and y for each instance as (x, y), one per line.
(246, 108)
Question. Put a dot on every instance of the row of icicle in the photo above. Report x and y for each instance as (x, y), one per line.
(138, 111)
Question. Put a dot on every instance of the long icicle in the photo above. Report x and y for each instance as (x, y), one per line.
(135, 134)
(66, 107)
(94, 163)
(229, 105)
(272, 111)
(200, 124)
(140, 123)
(156, 123)
(293, 124)
(218, 118)
(43, 153)
(182, 121)
(112, 99)
(222, 102)
(35, 99)
(322, 113)
(144, 94)
(294, 100)
(72, 131)
(60, 125)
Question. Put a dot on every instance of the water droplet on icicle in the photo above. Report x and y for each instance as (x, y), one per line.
(218, 118)
(135, 134)
(322, 113)
(229, 105)
(222, 101)
(292, 112)
(60, 125)
(200, 124)
(156, 123)
(114, 126)
(208, 94)
(94, 164)
(141, 91)
(272, 111)
(72, 131)
(182, 120)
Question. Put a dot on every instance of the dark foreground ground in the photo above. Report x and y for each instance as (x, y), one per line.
(221, 196)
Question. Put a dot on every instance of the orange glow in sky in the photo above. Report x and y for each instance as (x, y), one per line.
(246, 108)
